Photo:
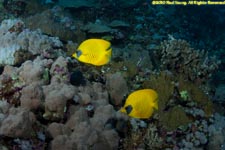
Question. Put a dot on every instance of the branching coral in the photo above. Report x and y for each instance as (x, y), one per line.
(178, 57)
(152, 139)
(133, 140)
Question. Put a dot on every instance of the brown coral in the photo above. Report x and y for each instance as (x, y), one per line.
(169, 88)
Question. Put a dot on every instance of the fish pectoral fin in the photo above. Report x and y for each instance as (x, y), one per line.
(109, 48)
(128, 109)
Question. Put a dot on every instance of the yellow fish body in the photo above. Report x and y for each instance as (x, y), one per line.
(94, 51)
(141, 104)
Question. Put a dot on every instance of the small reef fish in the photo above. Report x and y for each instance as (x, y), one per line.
(97, 52)
(141, 104)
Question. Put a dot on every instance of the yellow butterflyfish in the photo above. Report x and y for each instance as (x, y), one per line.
(97, 52)
(141, 104)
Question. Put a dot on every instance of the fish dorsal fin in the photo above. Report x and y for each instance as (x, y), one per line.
(109, 48)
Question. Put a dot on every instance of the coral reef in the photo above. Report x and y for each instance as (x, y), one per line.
(178, 57)
(174, 118)
(94, 3)
(59, 71)
(56, 96)
(77, 3)
(10, 88)
(198, 134)
(56, 23)
(97, 27)
(152, 139)
(15, 38)
(87, 114)
(32, 97)
(51, 101)
(220, 94)
(117, 87)
(33, 71)
(16, 7)
(18, 123)
(89, 132)
(119, 24)
(171, 87)
(217, 132)
(114, 31)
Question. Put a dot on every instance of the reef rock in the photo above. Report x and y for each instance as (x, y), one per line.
(4, 107)
(93, 94)
(127, 4)
(56, 96)
(85, 137)
(78, 116)
(117, 87)
(220, 94)
(18, 44)
(59, 70)
(18, 123)
(97, 27)
(31, 96)
(101, 116)
(56, 23)
(56, 129)
(77, 3)
(85, 127)
(119, 24)
(31, 72)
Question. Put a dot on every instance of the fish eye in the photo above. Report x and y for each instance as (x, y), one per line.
(128, 109)
(78, 52)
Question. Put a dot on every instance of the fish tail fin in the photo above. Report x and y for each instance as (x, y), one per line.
(155, 105)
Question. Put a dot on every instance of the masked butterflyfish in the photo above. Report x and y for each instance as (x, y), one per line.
(94, 51)
(141, 104)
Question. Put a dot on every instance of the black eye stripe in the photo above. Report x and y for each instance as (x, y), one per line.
(128, 109)
(78, 52)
